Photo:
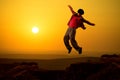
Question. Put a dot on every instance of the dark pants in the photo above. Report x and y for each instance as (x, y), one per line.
(70, 35)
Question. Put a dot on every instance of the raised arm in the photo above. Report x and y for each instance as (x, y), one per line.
(71, 9)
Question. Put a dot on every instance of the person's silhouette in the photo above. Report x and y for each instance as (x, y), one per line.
(75, 21)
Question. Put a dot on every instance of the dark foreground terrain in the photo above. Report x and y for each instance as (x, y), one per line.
(107, 68)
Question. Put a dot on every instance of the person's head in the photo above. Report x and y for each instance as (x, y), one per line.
(81, 11)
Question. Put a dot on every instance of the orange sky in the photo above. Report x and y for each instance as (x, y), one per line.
(17, 17)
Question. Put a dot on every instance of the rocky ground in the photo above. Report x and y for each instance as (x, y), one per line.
(108, 68)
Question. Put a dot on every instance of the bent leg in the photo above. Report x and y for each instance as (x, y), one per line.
(66, 40)
(73, 41)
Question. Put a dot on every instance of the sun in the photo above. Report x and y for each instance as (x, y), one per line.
(35, 29)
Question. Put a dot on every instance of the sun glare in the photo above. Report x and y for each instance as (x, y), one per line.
(35, 29)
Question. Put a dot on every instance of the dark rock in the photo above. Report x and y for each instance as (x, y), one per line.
(110, 56)
(99, 70)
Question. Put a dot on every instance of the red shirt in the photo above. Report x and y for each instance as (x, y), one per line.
(75, 21)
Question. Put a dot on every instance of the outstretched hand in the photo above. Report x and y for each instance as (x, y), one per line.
(92, 24)
(73, 12)
(69, 6)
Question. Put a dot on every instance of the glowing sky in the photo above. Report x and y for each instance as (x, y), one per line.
(17, 17)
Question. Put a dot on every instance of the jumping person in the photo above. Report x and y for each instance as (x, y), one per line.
(75, 22)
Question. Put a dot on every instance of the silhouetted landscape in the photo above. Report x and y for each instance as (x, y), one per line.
(106, 67)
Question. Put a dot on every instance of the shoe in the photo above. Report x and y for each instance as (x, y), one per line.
(80, 50)
(69, 50)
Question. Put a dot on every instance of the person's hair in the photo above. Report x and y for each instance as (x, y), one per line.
(81, 11)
